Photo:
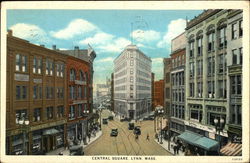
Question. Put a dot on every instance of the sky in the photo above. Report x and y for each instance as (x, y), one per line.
(107, 31)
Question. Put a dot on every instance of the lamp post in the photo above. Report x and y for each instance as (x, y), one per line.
(24, 123)
(86, 112)
(219, 125)
(100, 115)
(160, 113)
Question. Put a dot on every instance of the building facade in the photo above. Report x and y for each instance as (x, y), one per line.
(112, 93)
(80, 96)
(36, 94)
(158, 93)
(177, 78)
(132, 83)
(152, 90)
(213, 72)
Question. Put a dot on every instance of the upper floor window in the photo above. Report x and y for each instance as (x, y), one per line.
(234, 54)
(222, 37)
(236, 85)
(21, 63)
(49, 67)
(21, 92)
(191, 47)
(60, 69)
(191, 69)
(240, 29)
(37, 92)
(72, 75)
(49, 112)
(210, 42)
(49, 92)
(234, 31)
(82, 76)
(21, 115)
(37, 114)
(72, 114)
(60, 111)
(37, 65)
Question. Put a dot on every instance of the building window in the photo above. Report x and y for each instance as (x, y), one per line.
(191, 93)
(191, 49)
(80, 111)
(236, 114)
(37, 114)
(60, 111)
(210, 42)
(131, 62)
(211, 66)
(131, 87)
(131, 71)
(200, 89)
(72, 112)
(191, 69)
(37, 65)
(21, 115)
(60, 92)
(211, 88)
(234, 54)
(60, 69)
(222, 38)
(72, 75)
(240, 51)
(21, 63)
(72, 92)
(200, 47)
(49, 112)
(37, 92)
(82, 76)
(80, 92)
(240, 29)
(234, 31)
(49, 67)
(49, 92)
(131, 79)
(199, 67)
(21, 92)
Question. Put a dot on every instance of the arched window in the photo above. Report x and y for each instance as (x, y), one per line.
(191, 46)
(72, 74)
(82, 76)
(199, 37)
(210, 37)
(222, 25)
(86, 77)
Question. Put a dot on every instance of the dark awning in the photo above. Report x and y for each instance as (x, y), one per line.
(198, 140)
(232, 149)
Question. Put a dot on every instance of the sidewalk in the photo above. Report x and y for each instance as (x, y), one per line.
(66, 151)
(165, 146)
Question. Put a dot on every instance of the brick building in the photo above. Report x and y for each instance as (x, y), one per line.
(35, 93)
(80, 96)
(158, 93)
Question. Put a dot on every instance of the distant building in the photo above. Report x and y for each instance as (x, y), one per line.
(177, 92)
(158, 93)
(132, 83)
(112, 92)
(152, 90)
(103, 91)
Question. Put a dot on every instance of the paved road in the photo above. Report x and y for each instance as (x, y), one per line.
(125, 143)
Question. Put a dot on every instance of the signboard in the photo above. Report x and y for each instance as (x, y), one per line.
(21, 77)
(37, 80)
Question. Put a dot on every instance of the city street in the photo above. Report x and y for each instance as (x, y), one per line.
(125, 143)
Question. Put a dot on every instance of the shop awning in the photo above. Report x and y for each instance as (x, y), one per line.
(51, 131)
(198, 140)
(232, 149)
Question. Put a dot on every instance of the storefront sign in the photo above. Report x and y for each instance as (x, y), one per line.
(79, 102)
(79, 82)
(21, 77)
(37, 81)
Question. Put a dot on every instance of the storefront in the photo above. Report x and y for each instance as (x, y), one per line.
(199, 144)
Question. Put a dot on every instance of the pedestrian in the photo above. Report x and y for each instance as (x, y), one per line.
(147, 137)
(175, 150)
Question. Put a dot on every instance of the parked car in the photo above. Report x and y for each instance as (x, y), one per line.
(111, 118)
(114, 132)
(137, 130)
(131, 126)
(76, 150)
(105, 121)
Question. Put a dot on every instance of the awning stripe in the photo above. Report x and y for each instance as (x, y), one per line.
(232, 149)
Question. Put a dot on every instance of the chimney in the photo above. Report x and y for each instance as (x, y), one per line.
(10, 32)
(53, 47)
(76, 47)
(42, 45)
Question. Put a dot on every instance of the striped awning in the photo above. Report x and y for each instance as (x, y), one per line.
(232, 149)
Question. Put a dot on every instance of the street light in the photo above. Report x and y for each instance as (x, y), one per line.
(24, 123)
(160, 114)
(100, 115)
(219, 125)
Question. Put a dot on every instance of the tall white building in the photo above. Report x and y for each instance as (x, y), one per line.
(132, 83)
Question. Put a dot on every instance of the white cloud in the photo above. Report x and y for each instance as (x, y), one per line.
(30, 32)
(175, 28)
(63, 49)
(108, 59)
(75, 27)
(145, 35)
(98, 39)
(116, 45)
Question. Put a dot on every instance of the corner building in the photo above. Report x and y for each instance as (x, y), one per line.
(213, 72)
(132, 83)
(36, 82)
